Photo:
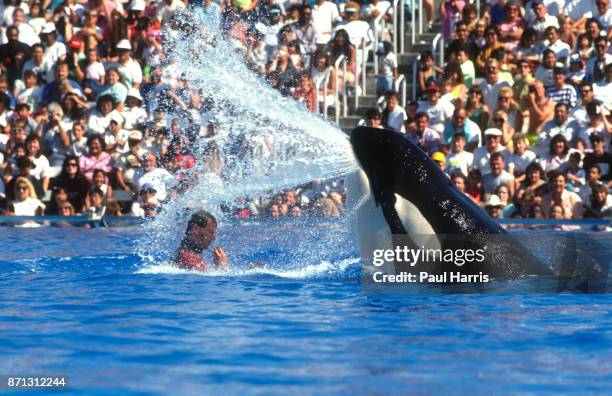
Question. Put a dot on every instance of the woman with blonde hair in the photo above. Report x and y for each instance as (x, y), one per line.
(499, 120)
(506, 102)
(25, 203)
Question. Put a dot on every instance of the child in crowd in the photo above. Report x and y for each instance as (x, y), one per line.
(394, 116)
(459, 159)
(385, 81)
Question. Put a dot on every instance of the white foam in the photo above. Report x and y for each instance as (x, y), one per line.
(322, 269)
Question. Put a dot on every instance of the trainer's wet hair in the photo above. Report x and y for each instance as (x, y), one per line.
(200, 218)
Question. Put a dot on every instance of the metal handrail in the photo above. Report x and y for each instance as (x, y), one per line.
(341, 60)
(324, 80)
(420, 16)
(415, 71)
(361, 73)
(377, 21)
(402, 10)
(401, 83)
(413, 23)
(395, 28)
(434, 44)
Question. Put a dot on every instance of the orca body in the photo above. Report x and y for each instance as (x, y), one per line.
(401, 191)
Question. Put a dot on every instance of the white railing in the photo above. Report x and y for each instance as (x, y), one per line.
(395, 27)
(420, 16)
(360, 77)
(402, 11)
(378, 22)
(412, 23)
(434, 45)
(400, 83)
(342, 60)
(415, 72)
(325, 82)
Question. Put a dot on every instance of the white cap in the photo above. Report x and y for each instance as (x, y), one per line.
(124, 45)
(48, 28)
(116, 116)
(493, 201)
(133, 92)
(137, 5)
(493, 132)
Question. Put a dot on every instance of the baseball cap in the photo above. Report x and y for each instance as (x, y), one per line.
(438, 156)
(433, 88)
(48, 28)
(493, 132)
(595, 137)
(75, 43)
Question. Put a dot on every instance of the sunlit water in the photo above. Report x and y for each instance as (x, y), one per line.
(80, 303)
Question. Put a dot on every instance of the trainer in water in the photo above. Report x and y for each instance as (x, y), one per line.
(200, 233)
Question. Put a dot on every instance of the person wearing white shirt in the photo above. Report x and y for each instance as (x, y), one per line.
(482, 154)
(39, 64)
(324, 16)
(491, 85)
(602, 90)
(166, 10)
(561, 49)
(27, 34)
(521, 158)
(134, 114)
(394, 116)
(438, 111)
(559, 125)
(130, 70)
(159, 178)
(8, 12)
(458, 158)
(54, 50)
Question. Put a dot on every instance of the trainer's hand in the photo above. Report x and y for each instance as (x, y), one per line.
(220, 258)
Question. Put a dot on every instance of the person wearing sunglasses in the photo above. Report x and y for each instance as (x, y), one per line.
(25, 202)
(73, 181)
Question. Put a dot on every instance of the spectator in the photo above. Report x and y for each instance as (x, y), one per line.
(578, 112)
(73, 181)
(561, 92)
(96, 158)
(492, 84)
(600, 204)
(158, 177)
(497, 175)
(385, 82)
(55, 51)
(559, 125)
(438, 111)
(494, 206)
(40, 163)
(14, 54)
(426, 73)
(24, 167)
(561, 49)
(459, 159)
(511, 29)
(461, 124)
(521, 158)
(25, 202)
(544, 71)
(394, 116)
(559, 195)
(506, 103)
(541, 20)
(306, 93)
(476, 109)
(541, 109)
(374, 118)
(482, 155)
(474, 185)
(596, 65)
(596, 126)
(423, 136)
(324, 16)
(601, 89)
(557, 156)
(114, 88)
(61, 84)
(600, 157)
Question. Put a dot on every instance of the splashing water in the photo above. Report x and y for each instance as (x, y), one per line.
(263, 142)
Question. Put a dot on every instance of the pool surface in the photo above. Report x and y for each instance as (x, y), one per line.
(81, 303)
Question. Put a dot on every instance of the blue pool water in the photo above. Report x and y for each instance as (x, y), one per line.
(80, 303)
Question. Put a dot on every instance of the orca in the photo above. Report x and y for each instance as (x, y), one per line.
(401, 191)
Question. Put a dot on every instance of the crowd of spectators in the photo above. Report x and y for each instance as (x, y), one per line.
(520, 116)
(88, 118)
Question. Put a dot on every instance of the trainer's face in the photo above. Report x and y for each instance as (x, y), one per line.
(204, 236)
